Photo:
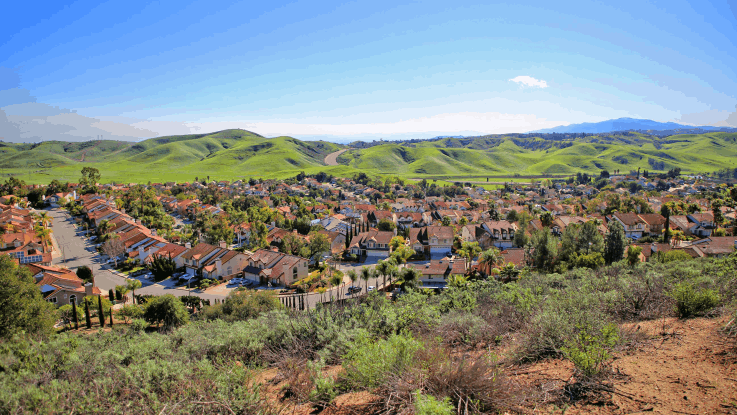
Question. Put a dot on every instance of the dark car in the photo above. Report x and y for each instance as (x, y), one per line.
(353, 290)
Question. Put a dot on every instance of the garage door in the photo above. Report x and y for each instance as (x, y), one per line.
(375, 254)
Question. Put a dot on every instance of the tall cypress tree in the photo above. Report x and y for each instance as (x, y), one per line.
(101, 311)
(74, 315)
(111, 317)
(616, 242)
(111, 295)
(87, 314)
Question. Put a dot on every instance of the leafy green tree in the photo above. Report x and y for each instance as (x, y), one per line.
(581, 239)
(319, 244)
(22, 307)
(615, 244)
(130, 312)
(386, 225)
(247, 304)
(633, 254)
(166, 310)
(545, 250)
(291, 244)
(546, 219)
(66, 313)
(85, 274)
(446, 221)
(162, 267)
(469, 250)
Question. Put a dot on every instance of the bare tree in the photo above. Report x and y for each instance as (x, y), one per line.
(114, 247)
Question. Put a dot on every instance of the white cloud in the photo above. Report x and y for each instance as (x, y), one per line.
(525, 80)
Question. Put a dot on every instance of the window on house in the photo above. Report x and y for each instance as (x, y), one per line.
(72, 299)
(294, 273)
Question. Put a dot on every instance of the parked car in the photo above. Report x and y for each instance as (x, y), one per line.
(353, 290)
(371, 288)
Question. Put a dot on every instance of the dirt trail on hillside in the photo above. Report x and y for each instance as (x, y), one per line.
(332, 158)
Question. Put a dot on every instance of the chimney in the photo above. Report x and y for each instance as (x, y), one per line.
(153, 232)
(74, 195)
(219, 265)
(88, 289)
(223, 245)
(188, 245)
(141, 253)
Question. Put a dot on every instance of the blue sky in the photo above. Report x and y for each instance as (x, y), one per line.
(360, 70)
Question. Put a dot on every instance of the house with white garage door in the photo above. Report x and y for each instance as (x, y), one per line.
(371, 244)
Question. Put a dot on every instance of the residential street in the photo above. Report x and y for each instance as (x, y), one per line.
(76, 251)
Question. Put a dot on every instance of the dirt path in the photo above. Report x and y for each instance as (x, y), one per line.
(332, 158)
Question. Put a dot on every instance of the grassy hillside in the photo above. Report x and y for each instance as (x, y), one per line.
(237, 154)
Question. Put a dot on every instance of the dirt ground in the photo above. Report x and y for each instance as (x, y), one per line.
(670, 367)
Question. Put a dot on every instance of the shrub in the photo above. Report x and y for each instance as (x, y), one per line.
(691, 300)
(137, 325)
(368, 362)
(429, 405)
(167, 310)
(589, 353)
(464, 328)
(325, 389)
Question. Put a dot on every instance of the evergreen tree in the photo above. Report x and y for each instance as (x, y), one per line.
(87, 315)
(111, 294)
(74, 315)
(616, 241)
(101, 311)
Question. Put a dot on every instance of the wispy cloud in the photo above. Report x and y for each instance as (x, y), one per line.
(529, 81)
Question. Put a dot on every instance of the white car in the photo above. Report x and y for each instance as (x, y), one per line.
(371, 288)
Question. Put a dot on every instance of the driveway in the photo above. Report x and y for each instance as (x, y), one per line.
(77, 251)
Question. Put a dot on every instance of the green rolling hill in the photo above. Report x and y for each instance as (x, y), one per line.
(239, 154)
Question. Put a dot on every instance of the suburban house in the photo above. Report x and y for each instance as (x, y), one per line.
(431, 239)
(24, 247)
(337, 241)
(655, 223)
(373, 244)
(634, 226)
(702, 224)
(499, 233)
(225, 264)
(275, 268)
(195, 258)
(436, 273)
(713, 246)
(61, 286)
(60, 199)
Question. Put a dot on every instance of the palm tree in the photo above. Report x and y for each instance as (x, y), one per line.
(489, 259)
(366, 274)
(353, 276)
(133, 285)
(104, 227)
(336, 280)
(408, 278)
(392, 273)
(469, 251)
(45, 219)
(382, 268)
(45, 235)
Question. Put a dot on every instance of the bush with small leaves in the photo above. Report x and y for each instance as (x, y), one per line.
(429, 405)
(692, 300)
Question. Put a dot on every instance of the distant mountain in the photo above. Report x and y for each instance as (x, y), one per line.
(622, 124)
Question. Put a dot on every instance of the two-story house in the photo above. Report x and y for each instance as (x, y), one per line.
(634, 226)
(372, 244)
(436, 273)
(275, 268)
(437, 240)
